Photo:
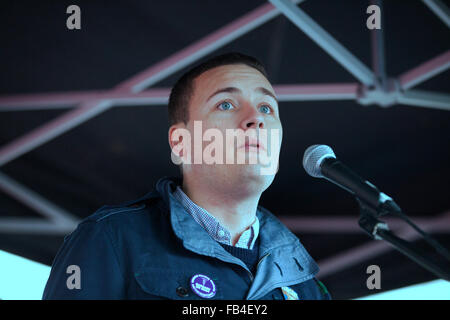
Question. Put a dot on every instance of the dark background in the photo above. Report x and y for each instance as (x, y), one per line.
(120, 154)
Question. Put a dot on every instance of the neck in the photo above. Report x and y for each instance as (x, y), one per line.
(234, 207)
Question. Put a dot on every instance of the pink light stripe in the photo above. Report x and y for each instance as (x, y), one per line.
(346, 224)
(52, 98)
(315, 89)
(64, 99)
(425, 71)
(50, 130)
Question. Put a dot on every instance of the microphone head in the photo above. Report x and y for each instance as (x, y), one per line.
(313, 158)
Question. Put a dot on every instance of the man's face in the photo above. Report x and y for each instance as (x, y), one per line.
(235, 97)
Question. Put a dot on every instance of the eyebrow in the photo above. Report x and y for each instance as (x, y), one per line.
(237, 90)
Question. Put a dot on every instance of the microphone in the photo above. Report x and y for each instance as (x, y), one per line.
(319, 161)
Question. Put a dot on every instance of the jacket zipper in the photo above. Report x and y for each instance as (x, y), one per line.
(250, 274)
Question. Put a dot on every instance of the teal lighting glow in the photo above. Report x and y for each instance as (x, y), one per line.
(20, 278)
(433, 290)
(23, 279)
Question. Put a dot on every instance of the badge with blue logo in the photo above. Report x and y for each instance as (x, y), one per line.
(203, 286)
(289, 294)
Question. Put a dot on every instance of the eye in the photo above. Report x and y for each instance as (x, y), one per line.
(265, 109)
(225, 105)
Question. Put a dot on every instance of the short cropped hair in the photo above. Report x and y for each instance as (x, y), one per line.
(183, 89)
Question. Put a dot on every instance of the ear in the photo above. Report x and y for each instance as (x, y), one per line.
(177, 140)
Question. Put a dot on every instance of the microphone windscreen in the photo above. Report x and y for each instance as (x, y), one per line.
(313, 158)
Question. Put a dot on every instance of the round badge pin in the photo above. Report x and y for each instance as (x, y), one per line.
(203, 286)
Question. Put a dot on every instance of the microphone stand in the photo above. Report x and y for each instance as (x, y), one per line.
(379, 230)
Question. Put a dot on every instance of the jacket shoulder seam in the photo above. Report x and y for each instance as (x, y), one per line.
(119, 210)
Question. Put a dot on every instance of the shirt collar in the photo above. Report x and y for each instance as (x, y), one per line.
(213, 227)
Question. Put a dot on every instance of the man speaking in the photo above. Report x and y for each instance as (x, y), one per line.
(201, 236)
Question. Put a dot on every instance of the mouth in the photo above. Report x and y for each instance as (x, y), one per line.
(253, 146)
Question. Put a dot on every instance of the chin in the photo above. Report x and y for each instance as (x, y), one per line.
(236, 175)
(252, 173)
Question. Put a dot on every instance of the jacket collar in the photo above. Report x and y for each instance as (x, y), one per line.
(194, 237)
(285, 260)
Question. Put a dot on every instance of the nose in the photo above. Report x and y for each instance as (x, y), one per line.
(253, 119)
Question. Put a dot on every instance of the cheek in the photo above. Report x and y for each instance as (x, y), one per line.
(275, 126)
(213, 125)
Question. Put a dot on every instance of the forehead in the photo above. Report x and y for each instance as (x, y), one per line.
(235, 75)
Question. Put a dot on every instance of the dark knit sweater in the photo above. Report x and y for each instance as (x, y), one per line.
(249, 257)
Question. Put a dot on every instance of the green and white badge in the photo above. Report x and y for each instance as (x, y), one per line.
(289, 294)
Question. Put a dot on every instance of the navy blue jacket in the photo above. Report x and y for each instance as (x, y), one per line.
(151, 247)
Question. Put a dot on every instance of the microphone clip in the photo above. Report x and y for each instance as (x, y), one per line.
(368, 220)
